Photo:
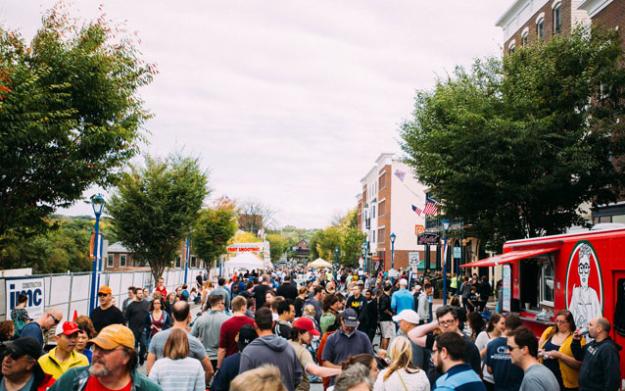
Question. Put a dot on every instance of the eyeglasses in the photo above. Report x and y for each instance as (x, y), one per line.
(105, 352)
(446, 322)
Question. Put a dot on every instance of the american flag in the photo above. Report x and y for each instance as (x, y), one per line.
(416, 209)
(431, 207)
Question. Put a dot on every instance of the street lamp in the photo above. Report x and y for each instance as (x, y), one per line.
(97, 203)
(393, 237)
(445, 223)
(337, 252)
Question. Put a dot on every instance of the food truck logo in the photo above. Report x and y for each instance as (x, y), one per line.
(584, 286)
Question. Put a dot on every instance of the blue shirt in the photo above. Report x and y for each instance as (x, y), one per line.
(402, 300)
(33, 330)
(460, 378)
(228, 371)
(339, 347)
(508, 377)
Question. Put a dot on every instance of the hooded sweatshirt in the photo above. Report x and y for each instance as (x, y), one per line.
(273, 350)
(600, 368)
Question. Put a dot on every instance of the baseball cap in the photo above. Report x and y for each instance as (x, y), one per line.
(113, 336)
(105, 289)
(67, 328)
(24, 346)
(408, 315)
(350, 317)
(247, 334)
(306, 324)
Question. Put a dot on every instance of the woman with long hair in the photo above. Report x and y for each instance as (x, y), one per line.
(494, 329)
(476, 324)
(159, 319)
(400, 374)
(554, 347)
(176, 371)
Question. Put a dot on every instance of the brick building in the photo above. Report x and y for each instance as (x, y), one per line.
(389, 190)
(119, 258)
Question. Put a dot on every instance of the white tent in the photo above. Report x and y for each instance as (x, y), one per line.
(245, 261)
(319, 263)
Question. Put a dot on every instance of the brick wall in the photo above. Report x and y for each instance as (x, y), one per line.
(565, 15)
(384, 193)
(612, 16)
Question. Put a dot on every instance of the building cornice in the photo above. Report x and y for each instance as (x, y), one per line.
(593, 7)
(518, 14)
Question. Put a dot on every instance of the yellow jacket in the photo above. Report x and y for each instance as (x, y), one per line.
(56, 368)
(570, 376)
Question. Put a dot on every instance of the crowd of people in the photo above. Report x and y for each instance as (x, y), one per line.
(286, 330)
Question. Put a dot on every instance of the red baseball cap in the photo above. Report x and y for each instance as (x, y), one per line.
(69, 328)
(306, 324)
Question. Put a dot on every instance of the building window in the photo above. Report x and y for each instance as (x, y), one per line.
(547, 281)
(193, 261)
(373, 236)
(382, 181)
(373, 211)
(511, 48)
(540, 28)
(109, 261)
(122, 261)
(381, 208)
(177, 261)
(524, 38)
(381, 235)
(557, 19)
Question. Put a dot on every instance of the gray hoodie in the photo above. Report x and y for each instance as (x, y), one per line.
(273, 350)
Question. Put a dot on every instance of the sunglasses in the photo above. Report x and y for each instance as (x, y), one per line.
(102, 294)
(56, 321)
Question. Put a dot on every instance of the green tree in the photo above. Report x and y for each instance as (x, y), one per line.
(514, 147)
(212, 231)
(155, 206)
(279, 244)
(70, 117)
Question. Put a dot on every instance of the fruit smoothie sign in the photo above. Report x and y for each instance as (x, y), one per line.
(584, 284)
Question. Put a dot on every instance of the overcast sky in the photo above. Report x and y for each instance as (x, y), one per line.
(288, 102)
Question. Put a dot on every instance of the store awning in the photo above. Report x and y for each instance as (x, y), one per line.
(511, 257)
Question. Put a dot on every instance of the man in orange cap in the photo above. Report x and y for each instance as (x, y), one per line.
(106, 314)
(63, 356)
(113, 367)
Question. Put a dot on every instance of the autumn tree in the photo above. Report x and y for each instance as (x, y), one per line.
(212, 231)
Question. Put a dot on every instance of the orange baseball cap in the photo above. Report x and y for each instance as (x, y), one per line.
(105, 289)
(114, 336)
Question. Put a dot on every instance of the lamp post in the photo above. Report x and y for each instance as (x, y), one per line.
(188, 258)
(97, 203)
(445, 224)
(337, 252)
(393, 237)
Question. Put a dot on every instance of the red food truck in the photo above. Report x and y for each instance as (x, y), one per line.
(583, 272)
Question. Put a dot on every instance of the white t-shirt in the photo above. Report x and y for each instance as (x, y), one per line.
(481, 341)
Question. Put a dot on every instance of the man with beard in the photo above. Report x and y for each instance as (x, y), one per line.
(448, 356)
(20, 370)
(64, 356)
(113, 367)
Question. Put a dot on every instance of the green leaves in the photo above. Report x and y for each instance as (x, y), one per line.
(212, 231)
(70, 117)
(155, 207)
(515, 147)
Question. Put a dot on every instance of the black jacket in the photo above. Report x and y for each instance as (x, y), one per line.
(287, 291)
(600, 368)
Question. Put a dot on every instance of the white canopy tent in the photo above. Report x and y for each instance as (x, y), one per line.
(320, 263)
(243, 261)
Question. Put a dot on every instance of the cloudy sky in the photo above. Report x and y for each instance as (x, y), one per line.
(288, 102)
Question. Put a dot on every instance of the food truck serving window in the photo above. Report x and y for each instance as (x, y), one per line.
(537, 282)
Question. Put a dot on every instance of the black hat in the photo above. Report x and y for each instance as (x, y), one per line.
(247, 334)
(350, 318)
(24, 346)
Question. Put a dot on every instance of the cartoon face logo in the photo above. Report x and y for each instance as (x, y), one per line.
(583, 266)
(584, 286)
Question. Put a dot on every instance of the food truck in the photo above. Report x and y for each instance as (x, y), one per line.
(583, 272)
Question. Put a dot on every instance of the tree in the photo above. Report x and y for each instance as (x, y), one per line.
(254, 216)
(514, 147)
(279, 244)
(70, 117)
(212, 231)
(155, 207)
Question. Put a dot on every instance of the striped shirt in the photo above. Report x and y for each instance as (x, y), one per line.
(185, 374)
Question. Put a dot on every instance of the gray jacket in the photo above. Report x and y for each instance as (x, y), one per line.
(273, 350)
